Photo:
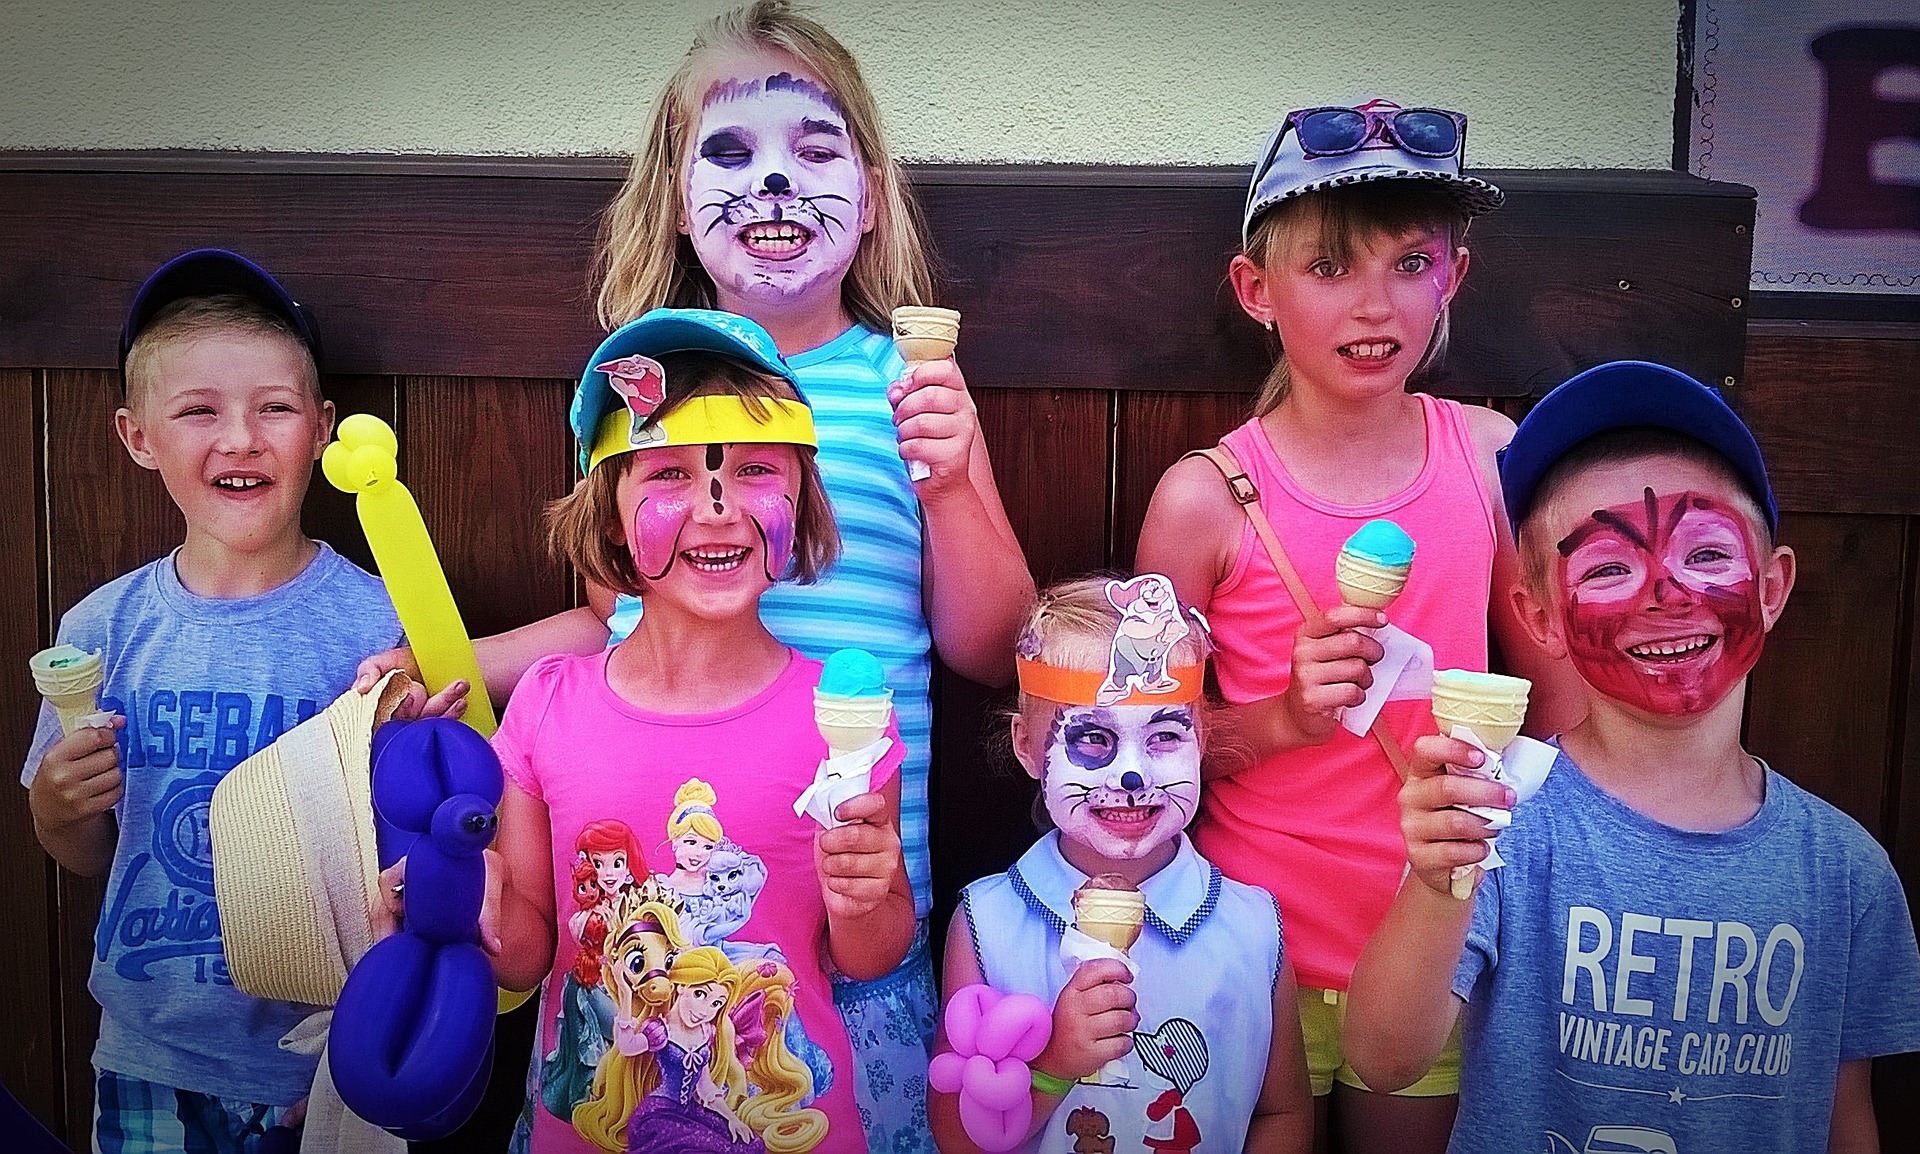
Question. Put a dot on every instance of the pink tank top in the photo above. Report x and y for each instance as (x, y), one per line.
(1320, 827)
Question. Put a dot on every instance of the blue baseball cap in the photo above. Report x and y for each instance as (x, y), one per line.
(1627, 395)
(207, 272)
(655, 334)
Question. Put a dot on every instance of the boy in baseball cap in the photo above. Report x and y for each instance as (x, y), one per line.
(1684, 950)
(245, 629)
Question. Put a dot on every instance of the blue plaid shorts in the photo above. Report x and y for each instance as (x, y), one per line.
(132, 1116)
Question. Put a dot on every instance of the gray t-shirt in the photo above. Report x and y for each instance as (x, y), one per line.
(1635, 987)
(203, 683)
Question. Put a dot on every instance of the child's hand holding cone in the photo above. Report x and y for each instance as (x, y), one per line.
(1441, 837)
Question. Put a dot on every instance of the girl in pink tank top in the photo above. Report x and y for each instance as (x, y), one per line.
(1351, 263)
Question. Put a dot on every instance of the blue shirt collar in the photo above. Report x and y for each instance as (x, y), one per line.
(1179, 898)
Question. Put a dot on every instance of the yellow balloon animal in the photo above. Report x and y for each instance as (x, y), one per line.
(365, 461)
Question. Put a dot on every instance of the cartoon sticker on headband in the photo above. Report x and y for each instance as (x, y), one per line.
(641, 382)
(1151, 624)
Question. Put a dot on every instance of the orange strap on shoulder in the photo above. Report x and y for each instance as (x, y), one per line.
(1247, 495)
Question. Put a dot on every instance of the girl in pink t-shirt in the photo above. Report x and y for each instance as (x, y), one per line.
(1352, 252)
(651, 854)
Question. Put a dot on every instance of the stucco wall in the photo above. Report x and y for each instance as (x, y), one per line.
(1546, 82)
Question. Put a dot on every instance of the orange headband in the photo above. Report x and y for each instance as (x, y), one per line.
(1083, 686)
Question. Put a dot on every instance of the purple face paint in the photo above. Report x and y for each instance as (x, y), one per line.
(1122, 780)
(775, 191)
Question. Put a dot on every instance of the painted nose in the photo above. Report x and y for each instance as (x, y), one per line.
(1132, 782)
(777, 184)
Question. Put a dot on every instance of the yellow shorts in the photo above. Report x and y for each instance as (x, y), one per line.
(1322, 1014)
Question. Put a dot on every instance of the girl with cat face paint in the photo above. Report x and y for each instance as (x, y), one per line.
(1200, 1011)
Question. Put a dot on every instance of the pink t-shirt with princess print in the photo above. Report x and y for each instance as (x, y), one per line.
(689, 1004)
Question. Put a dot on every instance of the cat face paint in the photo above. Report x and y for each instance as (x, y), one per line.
(1663, 605)
(775, 191)
(1122, 779)
(688, 494)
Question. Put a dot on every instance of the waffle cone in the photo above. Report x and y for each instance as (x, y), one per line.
(925, 332)
(1490, 704)
(850, 723)
(1110, 916)
(1368, 583)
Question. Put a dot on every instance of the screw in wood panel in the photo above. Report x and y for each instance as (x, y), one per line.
(1736, 302)
(1726, 382)
(1625, 285)
(1739, 230)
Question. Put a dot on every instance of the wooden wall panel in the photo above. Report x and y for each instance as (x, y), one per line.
(1861, 454)
(31, 1053)
(1819, 706)
(328, 514)
(1045, 444)
(482, 457)
(1155, 429)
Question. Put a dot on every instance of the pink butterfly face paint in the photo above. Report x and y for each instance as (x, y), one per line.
(691, 497)
(775, 191)
(1662, 604)
(1122, 779)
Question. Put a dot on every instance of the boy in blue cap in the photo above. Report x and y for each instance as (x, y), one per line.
(1684, 951)
(244, 630)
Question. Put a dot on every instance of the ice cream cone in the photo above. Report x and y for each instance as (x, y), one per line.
(1110, 909)
(1492, 706)
(925, 332)
(1371, 568)
(70, 680)
(850, 723)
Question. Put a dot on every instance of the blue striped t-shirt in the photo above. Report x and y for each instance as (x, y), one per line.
(870, 599)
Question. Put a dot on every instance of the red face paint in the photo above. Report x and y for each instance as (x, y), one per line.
(1663, 602)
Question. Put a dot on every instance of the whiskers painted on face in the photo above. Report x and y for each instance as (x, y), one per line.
(828, 221)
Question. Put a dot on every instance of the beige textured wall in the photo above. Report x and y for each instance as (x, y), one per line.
(1546, 82)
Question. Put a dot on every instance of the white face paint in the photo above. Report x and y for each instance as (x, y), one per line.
(1122, 780)
(775, 193)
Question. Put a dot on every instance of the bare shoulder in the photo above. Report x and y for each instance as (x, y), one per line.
(1192, 525)
(1193, 489)
(1490, 429)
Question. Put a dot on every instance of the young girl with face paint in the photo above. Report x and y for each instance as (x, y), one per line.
(1353, 251)
(701, 491)
(764, 186)
(1194, 1038)
(1749, 945)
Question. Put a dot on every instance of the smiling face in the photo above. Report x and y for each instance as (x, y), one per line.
(691, 850)
(1661, 594)
(229, 420)
(697, 1006)
(610, 871)
(1121, 780)
(775, 193)
(711, 524)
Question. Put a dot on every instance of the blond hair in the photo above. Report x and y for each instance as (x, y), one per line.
(1071, 627)
(643, 261)
(1336, 222)
(189, 318)
(693, 810)
(580, 525)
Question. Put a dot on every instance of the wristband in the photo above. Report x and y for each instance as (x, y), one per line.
(1048, 1084)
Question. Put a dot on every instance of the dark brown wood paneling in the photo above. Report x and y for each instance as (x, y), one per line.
(1862, 453)
(482, 457)
(1154, 430)
(30, 1057)
(1819, 704)
(1069, 277)
(1048, 445)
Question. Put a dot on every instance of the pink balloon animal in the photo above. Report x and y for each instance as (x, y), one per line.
(994, 1036)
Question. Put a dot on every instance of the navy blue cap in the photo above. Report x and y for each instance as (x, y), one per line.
(661, 331)
(210, 272)
(1628, 395)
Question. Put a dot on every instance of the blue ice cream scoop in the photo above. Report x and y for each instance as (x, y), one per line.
(1381, 542)
(853, 673)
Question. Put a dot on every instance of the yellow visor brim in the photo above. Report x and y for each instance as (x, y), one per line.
(714, 420)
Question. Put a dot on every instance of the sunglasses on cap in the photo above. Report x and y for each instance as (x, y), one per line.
(1338, 131)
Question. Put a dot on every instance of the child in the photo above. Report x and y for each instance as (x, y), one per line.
(765, 187)
(1212, 1054)
(1684, 950)
(1353, 249)
(701, 492)
(241, 632)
